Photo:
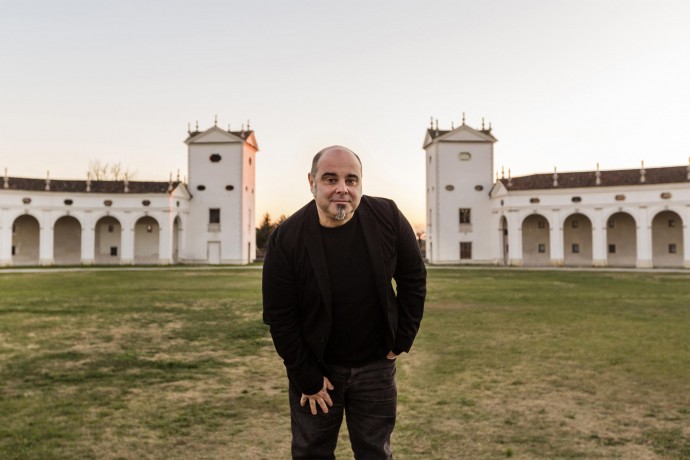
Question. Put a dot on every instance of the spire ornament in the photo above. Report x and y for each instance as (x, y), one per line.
(598, 175)
(555, 177)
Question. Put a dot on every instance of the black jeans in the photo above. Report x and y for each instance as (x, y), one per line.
(367, 396)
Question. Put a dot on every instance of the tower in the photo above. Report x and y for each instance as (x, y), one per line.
(459, 168)
(220, 225)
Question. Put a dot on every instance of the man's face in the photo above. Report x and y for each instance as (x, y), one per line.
(337, 186)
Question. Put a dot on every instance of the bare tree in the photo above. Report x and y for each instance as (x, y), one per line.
(104, 171)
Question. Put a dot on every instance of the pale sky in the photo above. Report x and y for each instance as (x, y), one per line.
(564, 83)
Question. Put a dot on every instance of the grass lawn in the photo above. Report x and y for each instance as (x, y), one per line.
(176, 364)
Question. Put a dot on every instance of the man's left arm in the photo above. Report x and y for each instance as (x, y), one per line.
(410, 279)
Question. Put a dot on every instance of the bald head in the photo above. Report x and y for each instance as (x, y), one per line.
(332, 148)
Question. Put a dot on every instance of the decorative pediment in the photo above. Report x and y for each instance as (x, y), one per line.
(463, 133)
(213, 135)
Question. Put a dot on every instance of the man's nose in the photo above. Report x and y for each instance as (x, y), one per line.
(342, 187)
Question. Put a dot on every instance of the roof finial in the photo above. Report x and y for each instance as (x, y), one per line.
(228, 127)
(189, 128)
(452, 125)
(197, 126)
(555, 177)
(642, 173)
(88, 181)
(463, 118)
(215, 120)
(436, 125)
(482, 123)
(503, 172)
(431, 122)
(248, 125)
(178, 175)
(6, 180)
(489, 126)
(510, 179)
(496, 176)
(126, 180)
(47, 180)
(170, 183)
(598, 175)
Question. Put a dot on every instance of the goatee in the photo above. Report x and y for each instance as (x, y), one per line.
(341, 213)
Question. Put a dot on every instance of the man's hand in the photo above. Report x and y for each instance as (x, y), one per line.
(322, 398)
(391, 355)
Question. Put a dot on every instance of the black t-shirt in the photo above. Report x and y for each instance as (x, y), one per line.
(358, 330)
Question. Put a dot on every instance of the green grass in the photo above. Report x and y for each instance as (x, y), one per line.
(176, 364)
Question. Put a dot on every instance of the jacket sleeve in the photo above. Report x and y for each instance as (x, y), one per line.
(281, 314)
(410, 279)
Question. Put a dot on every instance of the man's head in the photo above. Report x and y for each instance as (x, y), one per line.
(336, 183)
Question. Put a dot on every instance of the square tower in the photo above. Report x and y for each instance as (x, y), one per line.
(220, 225)
(459, 169)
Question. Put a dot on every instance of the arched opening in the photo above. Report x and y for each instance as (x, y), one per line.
(536, 246)
(67, 241)
(177, 236)
(621, 240)
(503, 238)
(108, 244)
(577, 241)
(667, 240)
(146, 240)
(25, 240)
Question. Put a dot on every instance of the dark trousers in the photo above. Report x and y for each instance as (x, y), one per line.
(367, 396)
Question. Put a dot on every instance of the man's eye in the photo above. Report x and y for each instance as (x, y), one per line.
(352, 182)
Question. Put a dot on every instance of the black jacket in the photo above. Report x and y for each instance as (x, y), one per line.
(297, 292)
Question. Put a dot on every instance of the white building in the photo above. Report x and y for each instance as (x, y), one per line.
(208, 221)
(624, 218)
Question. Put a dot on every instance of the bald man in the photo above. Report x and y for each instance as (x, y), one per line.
(333, 314)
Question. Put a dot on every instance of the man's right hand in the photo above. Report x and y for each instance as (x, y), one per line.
(322, 398)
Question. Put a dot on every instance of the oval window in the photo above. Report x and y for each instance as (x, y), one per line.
(534, 200)
(230, 187)
(479, 188)
(666, 195)
(146, 202)
(450, 188)
(465, 156)
(108, 202)
(69, 202)
(201, 187)
(576, 199)
(215, 157)
(620, 197)
(26, 200)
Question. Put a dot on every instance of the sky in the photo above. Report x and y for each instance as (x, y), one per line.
(564, 83)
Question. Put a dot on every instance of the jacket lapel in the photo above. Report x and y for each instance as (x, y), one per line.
(312, 237)
(373, 242)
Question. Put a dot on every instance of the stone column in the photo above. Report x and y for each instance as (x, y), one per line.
(46, 238)
(165, 240)
(686, 238)
(88, 240)
(127, 241)
(514, 239)
(556, 238)
(5, 239)
(599, 248)
(644, 239)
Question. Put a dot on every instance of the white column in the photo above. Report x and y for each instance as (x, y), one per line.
(46, 238)
(644, 239)
(165, 241)
(686, 238)
(556, 238)
(514, 239)
(88, 240)
(599, 240)
(127, 242)
(5, 239)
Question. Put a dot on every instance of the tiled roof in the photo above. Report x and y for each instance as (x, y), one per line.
(241, 134)
(668, 175)
(79, 186)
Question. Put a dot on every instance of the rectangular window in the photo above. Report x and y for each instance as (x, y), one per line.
(541, 224)
(612, 223)
(672, 223)
(672, 248)
(214, 216)
(465, 217)
(465, 250)
(113, 250)
(612, 248)
(542, 248)
(576, 223)
(576, 248)
(111, 228)
(14, 250)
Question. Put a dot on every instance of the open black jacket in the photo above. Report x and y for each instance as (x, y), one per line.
(297, 291)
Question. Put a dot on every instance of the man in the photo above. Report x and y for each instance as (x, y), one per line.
(334, 315)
